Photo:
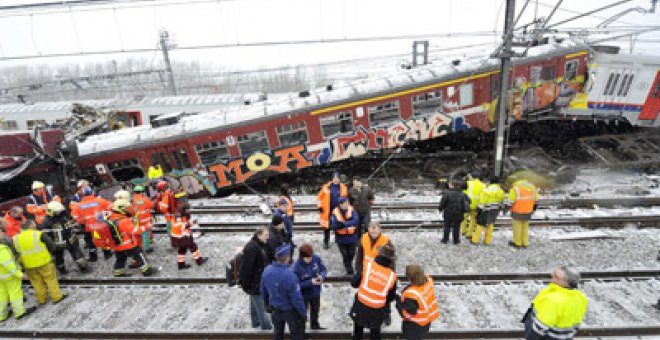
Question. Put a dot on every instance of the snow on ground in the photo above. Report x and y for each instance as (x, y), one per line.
(218, 308)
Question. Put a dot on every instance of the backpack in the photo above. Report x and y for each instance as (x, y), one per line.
(232, 269)
(105, 234)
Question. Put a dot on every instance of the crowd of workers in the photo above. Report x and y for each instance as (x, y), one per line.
(275, 283)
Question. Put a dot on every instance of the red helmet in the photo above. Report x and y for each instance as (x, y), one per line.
(161, 185)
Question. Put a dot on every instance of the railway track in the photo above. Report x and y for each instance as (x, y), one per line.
(562, 203)
(484, 278)
(591, 222)
(444, 334)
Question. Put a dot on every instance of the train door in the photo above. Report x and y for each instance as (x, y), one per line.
(607, 95)
(651, 107)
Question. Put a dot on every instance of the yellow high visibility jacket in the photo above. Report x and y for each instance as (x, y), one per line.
(558, 311)
(155, 172)
(491, 197)
(474, 189)
(8, 265)
(32, 250)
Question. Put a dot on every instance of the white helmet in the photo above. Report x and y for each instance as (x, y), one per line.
(37, 185)
(123, 195)
(55, 207)
(83, 183)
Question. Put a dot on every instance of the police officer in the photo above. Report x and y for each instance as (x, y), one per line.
(417, 305)
(281, 293)
(558, 310)
(522, 200)
(59, 228)
(344, 221)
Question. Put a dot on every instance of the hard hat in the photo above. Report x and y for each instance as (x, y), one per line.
(37, 185)
(161, 185)
(86, 191)
(138, 188)
(55, 207)
(120, 204)
(83, 183)
(123, 195)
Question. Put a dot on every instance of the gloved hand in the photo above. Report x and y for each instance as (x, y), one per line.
(341, 225)
(269, 309)
(320, 209)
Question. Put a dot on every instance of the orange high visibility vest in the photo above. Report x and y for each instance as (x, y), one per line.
(289, 205)
(377, 281)
(525, 197)
(323, 201)
(340, 218)
(370, 250)
(424, 295)
(90, 209)
(142, 206)
(180, 227)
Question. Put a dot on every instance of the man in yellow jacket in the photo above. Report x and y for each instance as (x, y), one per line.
(11, 292)
(34, 248)
(558, 310)
(474, 189)
(489, 208)
(522, 200)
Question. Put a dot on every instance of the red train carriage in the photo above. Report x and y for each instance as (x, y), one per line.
(224, 148)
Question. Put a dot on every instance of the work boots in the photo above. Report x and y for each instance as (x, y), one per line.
(200, 261)
(183, 265)
(149, 271)
(62, 270)
(28, 311)
(93, 257)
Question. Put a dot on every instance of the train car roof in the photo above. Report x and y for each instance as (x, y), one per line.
(607, 58)
(318, 98)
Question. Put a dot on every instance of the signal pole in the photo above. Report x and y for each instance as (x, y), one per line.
(501, 117)
(165, 46)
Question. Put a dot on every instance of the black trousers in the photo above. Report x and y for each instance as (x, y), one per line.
(89, 244)
(292, 319)
(358, 332)
(347, 255)
(74, 250)
(454, 227)
(413, 331)
(314, 305)
(326, 236)
(135, 253)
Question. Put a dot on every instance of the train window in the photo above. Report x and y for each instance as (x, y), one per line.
(535, 74)
(161, 157)
(627, 87)
(292, 134)
(467, 94)
(624, 82)
(570, 69)
(9, 125)
(212, 153)
(494, 87)
(181, 159)
(253, 142)
(656, 91)
(427, 103)
(335, 124)
(548, 72)
(126, 170)
(608, 84)
(614, 84)
(384, 113)
(92, 175)
(36, 122)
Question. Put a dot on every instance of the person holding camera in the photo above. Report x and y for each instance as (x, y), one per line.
(311, 272)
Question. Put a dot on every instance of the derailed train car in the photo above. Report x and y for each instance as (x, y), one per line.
(224, 148)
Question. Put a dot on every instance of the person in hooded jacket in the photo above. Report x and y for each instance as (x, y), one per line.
(277, 236)
(253, 262)
(454, 205)
(59, 227)
(376, 286)
(311, 272)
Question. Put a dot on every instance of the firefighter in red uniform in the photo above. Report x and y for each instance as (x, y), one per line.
(166, 205)
(89, 210)
(37, 203)
(183, 238)
(417, 305)
(126, 243)
(142, 206)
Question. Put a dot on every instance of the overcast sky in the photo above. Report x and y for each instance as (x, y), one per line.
(193, 23)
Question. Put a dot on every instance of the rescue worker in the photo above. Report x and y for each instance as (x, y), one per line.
(369, 244)
(285, 202)
(281, 293)
(184, 239)
(87, 212)
(60, 229)
(490, 204)
(127, 246)
(155, 173)
(37, 202)
(474, 189)
(277, 236)
(166, 205)
(253, 262)
(14, 218)
(326, 201)
(281, 210)
(454, 206)
(558, 310)
(34, 248)
(11, 292)
(311, 273)
(376, 286)
(344, 221)
(417, 304)
(362, 198)
(142, 206)
(78, 195)
(522, 200)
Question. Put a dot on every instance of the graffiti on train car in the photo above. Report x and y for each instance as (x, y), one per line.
(240, 170)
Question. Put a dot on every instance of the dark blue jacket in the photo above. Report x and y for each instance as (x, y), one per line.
(306, 272)
(351, 221)
(288, 226)
(335, 191)
(280, 289)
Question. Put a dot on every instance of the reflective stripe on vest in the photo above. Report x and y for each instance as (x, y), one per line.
(376, 283)
(10, 261)
(553, 332)
(31, 249)
(525, 198)
(427, 310)
(340, 218)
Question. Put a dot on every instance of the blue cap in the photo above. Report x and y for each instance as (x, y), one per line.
(335, 174)
(342, 200)
(283, 250)
(283, 202)
(86, 191)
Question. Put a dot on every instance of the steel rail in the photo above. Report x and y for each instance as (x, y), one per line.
(591, 223)
(435, 334)
(562, 203)
(439, 279)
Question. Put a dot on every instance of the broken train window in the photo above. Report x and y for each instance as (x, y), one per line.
(126, 170)
(336, 123)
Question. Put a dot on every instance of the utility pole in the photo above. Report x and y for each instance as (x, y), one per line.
(501, 117)
(165, 46)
